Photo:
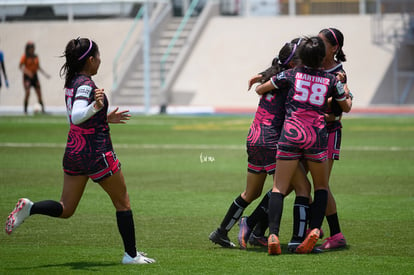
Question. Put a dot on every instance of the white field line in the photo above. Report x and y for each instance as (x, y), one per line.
(192, 146)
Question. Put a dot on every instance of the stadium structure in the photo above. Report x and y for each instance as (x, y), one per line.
(184, 56)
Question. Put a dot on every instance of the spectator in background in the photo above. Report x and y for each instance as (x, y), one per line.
(29, 65)
(3, 69)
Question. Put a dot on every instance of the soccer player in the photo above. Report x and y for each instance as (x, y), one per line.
(256, 224)
(261, 149)
(333, 40)
(304, 135)
(29, 65)
(332, 63)
(89, 152)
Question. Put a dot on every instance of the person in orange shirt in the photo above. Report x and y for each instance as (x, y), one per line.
(29, 65)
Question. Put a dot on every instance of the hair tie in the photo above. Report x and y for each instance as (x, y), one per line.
(291, 55)
(90, 47)
(333, 33)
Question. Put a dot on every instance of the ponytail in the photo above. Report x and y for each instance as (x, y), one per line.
(335, 38)
(76, 54)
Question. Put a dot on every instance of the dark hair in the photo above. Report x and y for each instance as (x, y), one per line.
(287, 54)
(312, 51)
(335, 37)
(29, 45)
(76, 53)
(280, 63)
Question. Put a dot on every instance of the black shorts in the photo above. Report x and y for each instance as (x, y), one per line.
(96, 166)
(34, 81)
(261, 159)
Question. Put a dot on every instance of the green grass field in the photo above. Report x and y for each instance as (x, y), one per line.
(182, 173)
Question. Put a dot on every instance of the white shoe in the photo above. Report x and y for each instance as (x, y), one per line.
(139, 259)
(18, 215)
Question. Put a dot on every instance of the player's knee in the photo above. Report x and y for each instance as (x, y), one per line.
(67, 213)
(122, 206)
(251, 196)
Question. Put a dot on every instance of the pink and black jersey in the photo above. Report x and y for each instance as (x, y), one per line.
(91, 136)
(332, 126)
(308, 90)
(306, 103)
(268, 122)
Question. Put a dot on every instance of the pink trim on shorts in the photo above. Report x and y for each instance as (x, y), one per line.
(112, 167)
(333, 146)
(258, 169)
(320, 157)
(270, 167)
(288, 155)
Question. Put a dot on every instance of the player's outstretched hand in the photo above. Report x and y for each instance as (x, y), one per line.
(118, 117)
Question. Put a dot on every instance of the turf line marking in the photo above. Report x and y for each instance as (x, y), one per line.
(192, 146)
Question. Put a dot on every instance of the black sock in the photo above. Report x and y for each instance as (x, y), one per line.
(318, 208)
(261, 227)
(125, 221)
(275, 212)
(309, 214)
(300, 209)
(48, 207)
(333, 224)
(233, 214)
(260, 213)
(25, 106)
(43, 107)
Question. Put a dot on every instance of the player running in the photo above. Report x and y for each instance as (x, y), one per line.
(89, 152)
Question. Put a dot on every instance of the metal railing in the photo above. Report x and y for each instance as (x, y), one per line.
(123, 45)
(174, 39)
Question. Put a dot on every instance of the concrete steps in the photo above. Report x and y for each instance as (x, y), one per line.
(132, 89)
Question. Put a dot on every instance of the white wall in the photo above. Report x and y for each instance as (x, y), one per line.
(233, 49)
(50, 38)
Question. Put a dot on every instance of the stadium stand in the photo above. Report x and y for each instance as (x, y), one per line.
(228, 50)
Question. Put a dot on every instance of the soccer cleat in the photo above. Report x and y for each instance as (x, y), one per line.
(257, 240)
(334, 242)
(309, 243)
(139, 259)
(221, 239)
(273, 245)
(244, 233)
(321, 234)
(292, 246)
(18, 215)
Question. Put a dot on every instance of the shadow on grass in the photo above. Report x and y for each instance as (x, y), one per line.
(90, 266)
(284, 248)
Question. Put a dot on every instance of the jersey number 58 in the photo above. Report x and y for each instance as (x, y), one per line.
(306, 91)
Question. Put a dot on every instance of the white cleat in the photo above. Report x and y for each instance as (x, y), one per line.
(139, 259)
(18, 215)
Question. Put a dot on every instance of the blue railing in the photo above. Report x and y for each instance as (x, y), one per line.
(123, 45)
(173, 40)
